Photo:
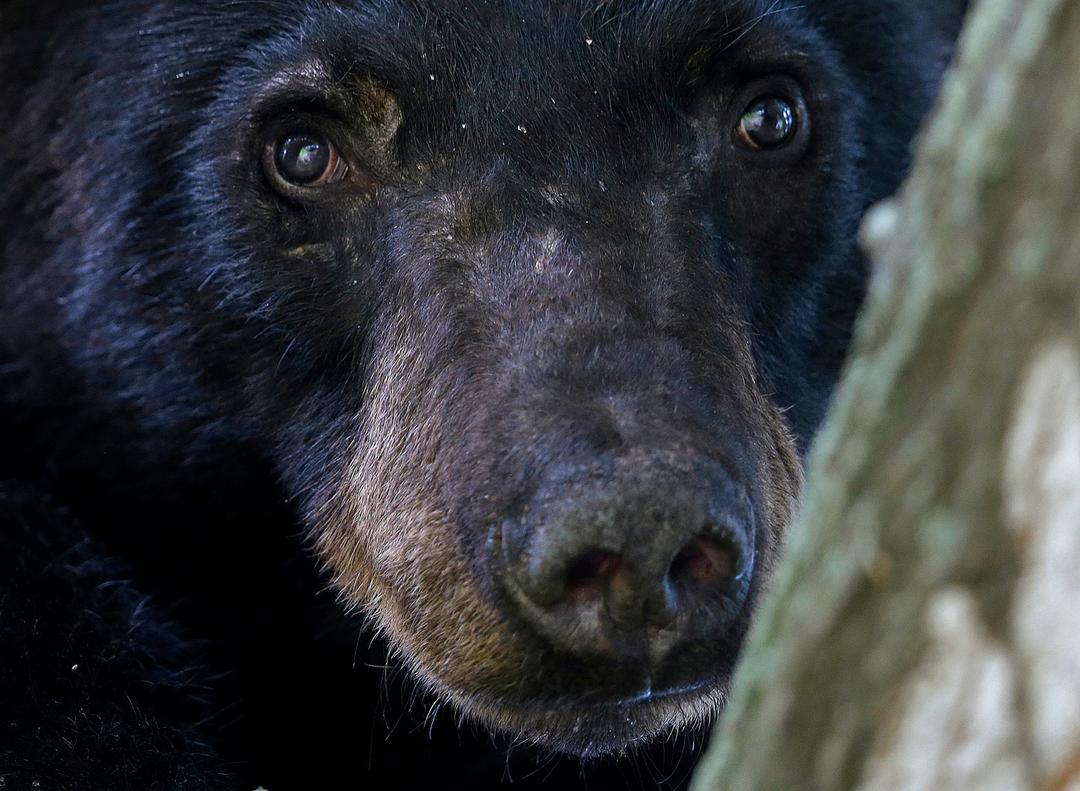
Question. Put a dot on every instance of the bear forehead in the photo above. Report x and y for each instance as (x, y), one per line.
(511, 32)
(523, 44)
(543, 80)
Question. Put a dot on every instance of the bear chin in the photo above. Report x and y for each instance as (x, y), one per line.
(596, 730)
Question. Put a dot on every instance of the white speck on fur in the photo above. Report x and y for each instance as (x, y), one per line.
(549, 245)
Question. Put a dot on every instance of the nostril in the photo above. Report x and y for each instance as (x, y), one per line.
(705, 561)
(591, 574)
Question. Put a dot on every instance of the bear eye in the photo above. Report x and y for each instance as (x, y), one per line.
(768, 122)
(305, 159)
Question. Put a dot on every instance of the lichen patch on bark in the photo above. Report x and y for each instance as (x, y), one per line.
(955, 723)
(1042, 490)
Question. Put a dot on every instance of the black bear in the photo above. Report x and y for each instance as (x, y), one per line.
(486, 333)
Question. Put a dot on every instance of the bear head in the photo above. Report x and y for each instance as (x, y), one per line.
(532, 308)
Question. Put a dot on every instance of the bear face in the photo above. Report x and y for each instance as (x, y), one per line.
(531, 307)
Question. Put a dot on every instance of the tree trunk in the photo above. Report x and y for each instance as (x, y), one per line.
(924, 630)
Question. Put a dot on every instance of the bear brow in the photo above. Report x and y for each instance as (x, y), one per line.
(404, 43)
(687, 25)
(419, 53)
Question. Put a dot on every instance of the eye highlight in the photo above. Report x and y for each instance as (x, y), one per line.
(768, 122)
(305, 159)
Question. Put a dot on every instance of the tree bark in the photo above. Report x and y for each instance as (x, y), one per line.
(924, 629)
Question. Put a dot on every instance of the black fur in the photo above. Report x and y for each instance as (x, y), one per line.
(98, 688)
(178, 395)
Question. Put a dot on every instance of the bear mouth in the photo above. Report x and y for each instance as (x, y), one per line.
(612, 727)
(650, 695)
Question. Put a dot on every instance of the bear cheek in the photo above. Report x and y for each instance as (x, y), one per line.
(402, 567)
(781, 489)
(394, 553)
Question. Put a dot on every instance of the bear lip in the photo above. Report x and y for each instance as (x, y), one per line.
(602, 728)
(649, 694)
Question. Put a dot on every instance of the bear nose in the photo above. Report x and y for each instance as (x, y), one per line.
(626, 569)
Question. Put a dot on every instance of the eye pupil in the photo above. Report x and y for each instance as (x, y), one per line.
(769, 122)
(303, 159)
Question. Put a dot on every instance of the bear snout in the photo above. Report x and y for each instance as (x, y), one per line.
(618, 566)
